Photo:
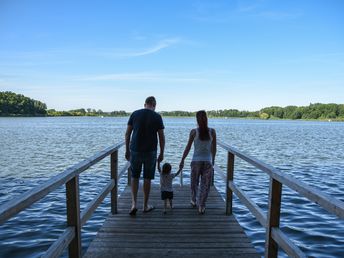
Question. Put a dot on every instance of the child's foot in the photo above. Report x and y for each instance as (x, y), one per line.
(164, 212)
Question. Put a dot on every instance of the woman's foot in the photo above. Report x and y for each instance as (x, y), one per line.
(201, 210)
(193, 204)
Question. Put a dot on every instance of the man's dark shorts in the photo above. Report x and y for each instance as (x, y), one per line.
(166, 195)
(145, 159)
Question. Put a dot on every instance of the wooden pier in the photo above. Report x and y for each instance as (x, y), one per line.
(181, 232)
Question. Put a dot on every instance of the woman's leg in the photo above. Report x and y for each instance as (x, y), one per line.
(206, 174)
(195, 173)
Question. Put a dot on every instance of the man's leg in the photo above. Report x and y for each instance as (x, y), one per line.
(146, 191)
(134, 189)
(136, 165)
(148, 174)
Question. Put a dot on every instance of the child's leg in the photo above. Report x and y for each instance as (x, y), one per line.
(165, 205)
(170, 203)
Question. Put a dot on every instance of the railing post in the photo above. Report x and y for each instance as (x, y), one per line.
(114, 176)
(73, 215)
(230, 176)
(181, 178)
(273, 219)
(212, 177)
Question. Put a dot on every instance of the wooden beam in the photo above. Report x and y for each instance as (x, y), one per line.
(230, 176)
(114, 177)
(273, 220)
(57, 249)
(288, 246)
(73, 215)
(13, 207)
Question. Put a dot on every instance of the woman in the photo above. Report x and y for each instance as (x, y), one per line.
(204, 139)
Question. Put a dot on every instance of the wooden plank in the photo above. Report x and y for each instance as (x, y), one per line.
(328, 202)
(169, 252)
(73, 215)
(254, 208)
(56, 249)
(92, 206)
(114, 177)
(273, 219)
(230, 176)
(180, 232)
(288, 246)
(16, 205)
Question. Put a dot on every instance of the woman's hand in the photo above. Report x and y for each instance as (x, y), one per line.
(181, 165)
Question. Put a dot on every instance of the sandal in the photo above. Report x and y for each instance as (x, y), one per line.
(149, 208)
(132, 212)
(201, 210)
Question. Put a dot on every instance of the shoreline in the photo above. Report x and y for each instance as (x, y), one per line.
(210, 117)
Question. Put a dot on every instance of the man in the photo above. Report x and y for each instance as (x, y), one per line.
(144, 126)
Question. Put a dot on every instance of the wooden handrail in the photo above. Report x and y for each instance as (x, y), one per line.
(274, 236)
(75, 219)
(12, 207)
(326, 201)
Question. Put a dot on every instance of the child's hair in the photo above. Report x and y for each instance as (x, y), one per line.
(166, 168)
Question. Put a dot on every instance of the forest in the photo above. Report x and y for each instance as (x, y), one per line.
(12, 104)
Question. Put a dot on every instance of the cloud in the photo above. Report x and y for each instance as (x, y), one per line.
(68, 55)
(144, 76)
(166, 43)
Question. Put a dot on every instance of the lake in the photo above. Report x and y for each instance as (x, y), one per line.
(35, 149)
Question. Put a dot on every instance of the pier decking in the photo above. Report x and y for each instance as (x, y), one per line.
(181, 232)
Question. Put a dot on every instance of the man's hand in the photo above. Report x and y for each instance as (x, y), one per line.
(161, 157)
(127, 155)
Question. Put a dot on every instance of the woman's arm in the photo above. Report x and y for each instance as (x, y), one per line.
(187, 148)
(213, 146)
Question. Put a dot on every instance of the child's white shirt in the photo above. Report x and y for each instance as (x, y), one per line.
(166, 181)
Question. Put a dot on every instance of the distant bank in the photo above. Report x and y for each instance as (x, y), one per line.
(12, 104)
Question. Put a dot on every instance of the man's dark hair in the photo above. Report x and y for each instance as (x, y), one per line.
(151, 101)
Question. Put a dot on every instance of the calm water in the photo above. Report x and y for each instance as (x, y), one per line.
(34, 149)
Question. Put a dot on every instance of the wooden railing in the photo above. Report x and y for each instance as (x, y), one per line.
(274, 236)
(71, 237)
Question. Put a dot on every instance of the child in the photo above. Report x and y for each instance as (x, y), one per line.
(166, 178)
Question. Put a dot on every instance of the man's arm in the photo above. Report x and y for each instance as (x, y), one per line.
(127, 141)
(159, 167)
(161, 144)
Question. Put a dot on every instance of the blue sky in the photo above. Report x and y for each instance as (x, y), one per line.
(191, 55)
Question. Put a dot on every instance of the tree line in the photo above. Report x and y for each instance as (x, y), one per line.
(86, 112)
(17, 104)
(12, 104)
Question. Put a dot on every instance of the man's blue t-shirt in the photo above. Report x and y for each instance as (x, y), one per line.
(145, 123)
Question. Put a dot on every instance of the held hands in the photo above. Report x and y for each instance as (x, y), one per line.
(159, 167)
(160, 157)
